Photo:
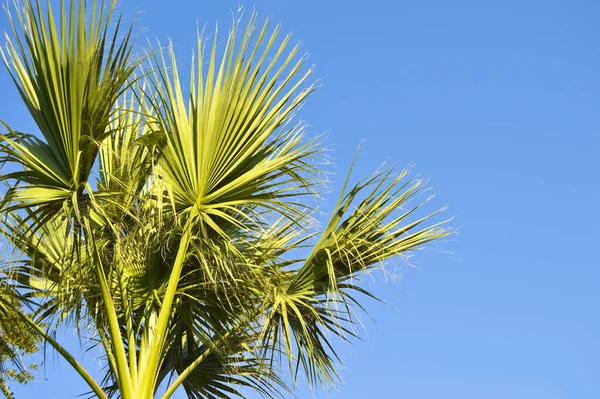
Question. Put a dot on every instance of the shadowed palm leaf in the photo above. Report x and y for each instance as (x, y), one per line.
(16, 338)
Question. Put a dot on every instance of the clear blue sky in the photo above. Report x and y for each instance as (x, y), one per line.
(498, 102)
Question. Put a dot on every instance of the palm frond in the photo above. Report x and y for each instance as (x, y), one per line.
(221, 155)
(69, 73)
(317, 299)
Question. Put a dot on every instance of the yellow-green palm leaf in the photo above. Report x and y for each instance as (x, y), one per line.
(69, 72)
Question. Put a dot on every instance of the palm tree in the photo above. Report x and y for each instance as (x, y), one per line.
(178, 224)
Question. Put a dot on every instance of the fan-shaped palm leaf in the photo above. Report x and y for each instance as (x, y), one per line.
(69, 73)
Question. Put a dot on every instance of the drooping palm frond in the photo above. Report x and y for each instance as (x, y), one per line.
(49, 266)
(231, 365)
(317, 297)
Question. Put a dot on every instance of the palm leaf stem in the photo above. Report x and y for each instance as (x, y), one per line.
(124, 378)
(151, 368)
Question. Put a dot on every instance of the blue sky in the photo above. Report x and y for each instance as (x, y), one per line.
(497, 102)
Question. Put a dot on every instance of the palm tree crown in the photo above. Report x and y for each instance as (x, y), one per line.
(176, 222)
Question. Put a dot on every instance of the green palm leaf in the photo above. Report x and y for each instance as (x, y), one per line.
(69, 73)
(220, 155)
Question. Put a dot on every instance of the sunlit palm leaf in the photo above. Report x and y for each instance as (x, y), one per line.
(317, 297)
(221, 156)
(69, 73)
